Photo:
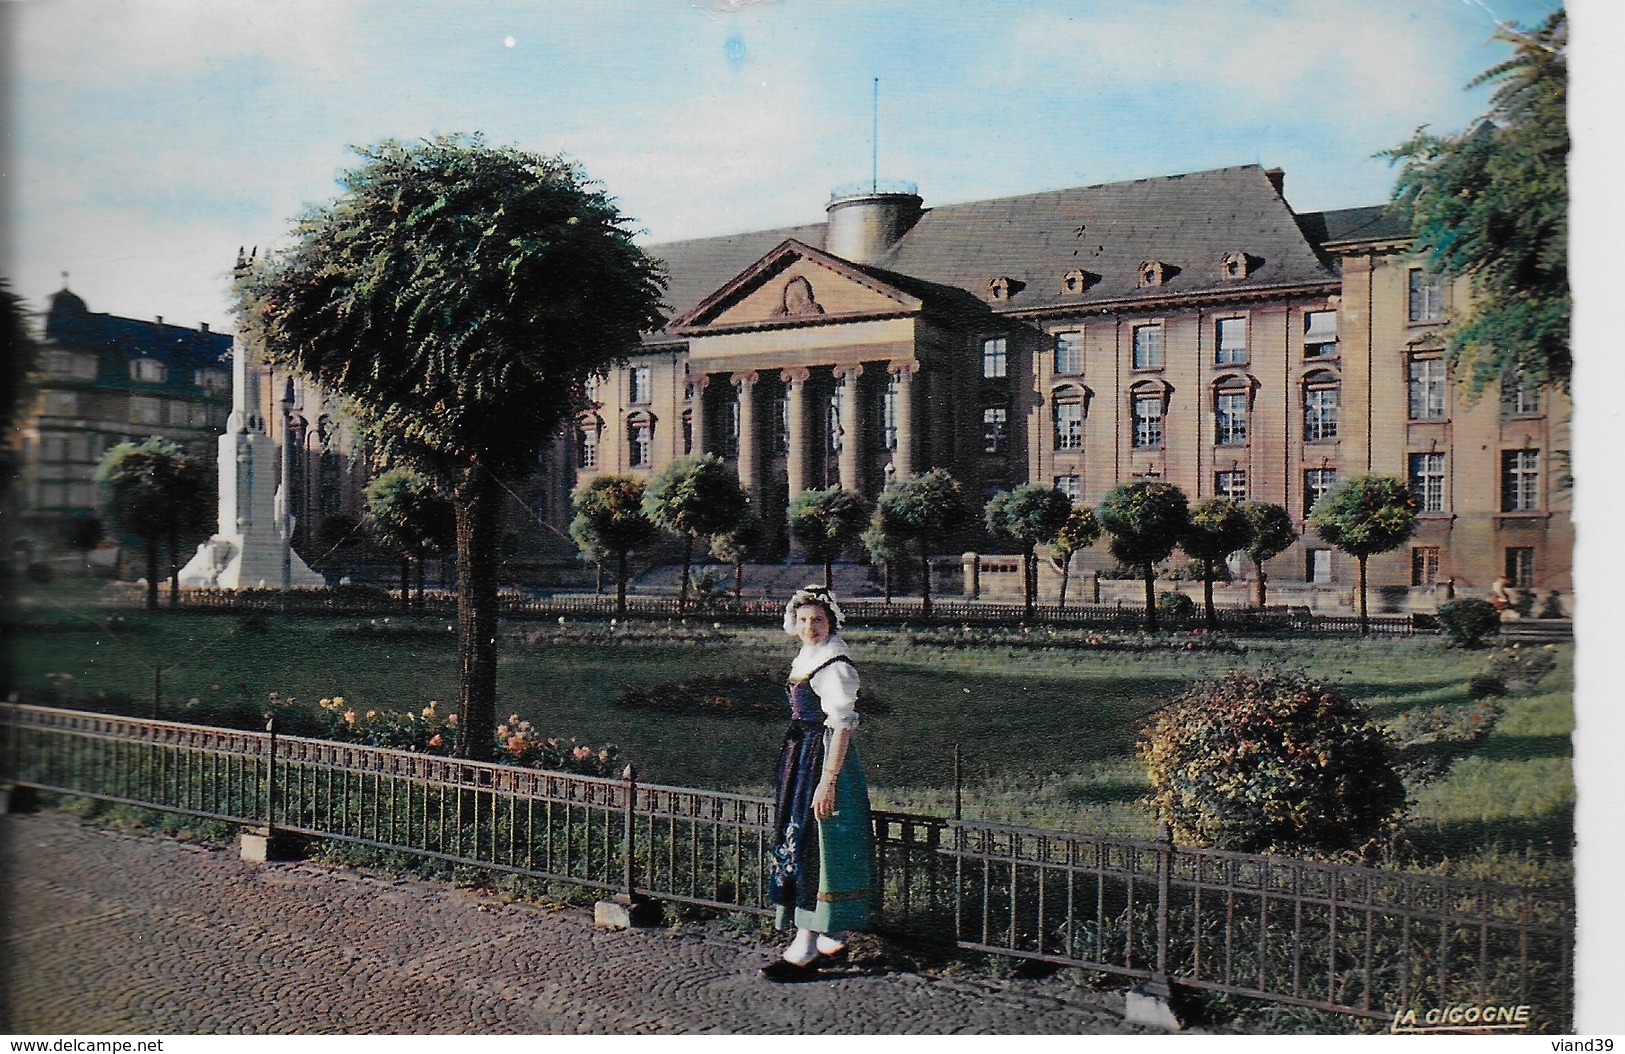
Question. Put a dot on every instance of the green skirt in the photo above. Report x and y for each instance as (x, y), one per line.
(843, 859)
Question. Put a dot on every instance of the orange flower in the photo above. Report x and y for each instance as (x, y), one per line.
(436, 741)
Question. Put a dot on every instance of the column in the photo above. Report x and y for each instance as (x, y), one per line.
(903, 457)
(698, 410)
(795, 460)
(750, 459)
(851, 428)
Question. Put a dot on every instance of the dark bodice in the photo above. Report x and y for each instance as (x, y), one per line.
(804, 704)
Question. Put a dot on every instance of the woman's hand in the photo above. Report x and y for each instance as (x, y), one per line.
(824, 799)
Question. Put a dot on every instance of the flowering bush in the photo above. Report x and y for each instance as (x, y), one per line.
(1041, 638)
(1520, 668)
(1429, 740)
(1272, 762)
(520, 744)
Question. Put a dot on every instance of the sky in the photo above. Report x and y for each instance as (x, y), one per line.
(151, 138)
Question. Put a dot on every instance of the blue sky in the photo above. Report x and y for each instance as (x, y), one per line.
(152, 137)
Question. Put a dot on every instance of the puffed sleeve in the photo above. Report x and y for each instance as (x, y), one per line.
(837, 688)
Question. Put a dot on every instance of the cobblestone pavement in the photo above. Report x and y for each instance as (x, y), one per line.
(118, 932)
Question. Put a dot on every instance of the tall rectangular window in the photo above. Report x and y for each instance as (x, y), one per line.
(735, 413)
(1069, 352)
(587, 448)
(1427, 388)
(889, 410)
(642, 443)
(1319, 411)
(1317, 566)
(1319, 334)
(1520, 566)
(1425, 297)
(995, 421)
(148, 371)
(1071, 486)
(995, 358)
(1230, 341)
(1148, 420)
(832, 418)
(781, 421)
(641, 392)
(61, 404)
(1316, 482)
(1230, 418)
(1231, 484)
(145, 410)
(1427, 481)
(1519, 399)
(1520, 480)
(1425, 565)
(1068, 424)
(1148, 347)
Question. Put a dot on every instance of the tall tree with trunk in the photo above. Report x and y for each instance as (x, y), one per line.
(407, 515)
(459, 295)
(1365, 516)
(1146, 519)
(929, 510)
(156, 495)
(886, 548)
(825, 523)
(1216, 529)
(1490, 204)
(1273, 534)
(694, 499)
(1029, 516)
(737, 544)
(1079, 532)
(610, 521)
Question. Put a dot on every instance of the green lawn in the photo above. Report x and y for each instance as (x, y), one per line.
(1047, 736)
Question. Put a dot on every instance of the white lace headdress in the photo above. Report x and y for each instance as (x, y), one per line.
(812, 595)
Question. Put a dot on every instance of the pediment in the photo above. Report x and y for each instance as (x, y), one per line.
(796, 285)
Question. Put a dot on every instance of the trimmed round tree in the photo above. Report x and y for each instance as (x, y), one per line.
(1365, 516)
(407, 514)
(153, 493)
(737, 543)
(1079, 532)
(825, 522)
(1029, 516)
(609, 520)
(928, 509)
(1216, 529)
(1146, 519)
(1273, 534)
(1271, 761)
(692, 499)
(885, 547)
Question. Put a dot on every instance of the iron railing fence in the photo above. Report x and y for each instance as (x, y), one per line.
(1363, 941)
(860, 611)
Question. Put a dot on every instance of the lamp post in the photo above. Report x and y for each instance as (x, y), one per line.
(285, 524)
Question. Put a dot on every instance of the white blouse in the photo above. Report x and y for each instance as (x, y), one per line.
(836, 685)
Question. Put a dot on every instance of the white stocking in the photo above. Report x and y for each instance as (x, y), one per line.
(829, 944)
(803, 949)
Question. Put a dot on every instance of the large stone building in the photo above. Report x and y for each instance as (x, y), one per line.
(1191, 328)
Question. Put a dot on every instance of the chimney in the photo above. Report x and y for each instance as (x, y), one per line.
(203, 327)
(1277, 178)
(160, 321)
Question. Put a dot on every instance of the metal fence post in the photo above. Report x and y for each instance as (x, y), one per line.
(626, 909)
(629, 879)
(1154, 1002)
(1165, 852)
(262, 845)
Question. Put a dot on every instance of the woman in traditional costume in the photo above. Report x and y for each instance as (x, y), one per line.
(820, 865)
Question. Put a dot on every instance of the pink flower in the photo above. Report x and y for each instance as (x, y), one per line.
(582, 753)
(436, 741)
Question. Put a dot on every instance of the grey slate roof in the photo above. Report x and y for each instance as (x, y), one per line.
(1370, 222)
(1107, 230)
(69, 322)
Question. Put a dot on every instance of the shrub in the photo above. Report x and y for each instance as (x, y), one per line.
(1520, 669)
(1272, 762)
(1175, 608)
(1467, 622)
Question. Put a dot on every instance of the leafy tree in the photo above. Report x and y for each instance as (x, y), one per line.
(694, 499)
(83, 534)
(1272, 535)
(407, 514)
(154, 494)
(1030, 516)
(825, 522)
(885, 547)
(610, 520)
(1146, 519)
(1365, 516)
(17, 360)
(735, 545)
(1079, 532)
(926, 509)
(1491, 204)
(1217, 528)
(1468, 621)
(459, 295)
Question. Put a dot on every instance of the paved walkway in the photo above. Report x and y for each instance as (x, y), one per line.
(117, 932)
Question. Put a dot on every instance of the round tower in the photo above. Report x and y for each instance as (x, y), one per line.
(864, 223)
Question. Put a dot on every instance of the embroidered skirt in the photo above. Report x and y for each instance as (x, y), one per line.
(820, 868)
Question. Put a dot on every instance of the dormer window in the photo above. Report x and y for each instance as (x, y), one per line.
(1003, 287)
(1074, 282)
(148, 371)
(1153, 273)
(1234, 265)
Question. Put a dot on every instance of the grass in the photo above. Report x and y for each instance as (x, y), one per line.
(1047, 736)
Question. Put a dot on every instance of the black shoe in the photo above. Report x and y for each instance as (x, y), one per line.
(783, 971)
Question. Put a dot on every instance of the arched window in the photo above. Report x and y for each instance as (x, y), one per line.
(640, 440)
(1232, 403)
(587, 435)
(1148, 405)
(1068, 407)
(1320, 399)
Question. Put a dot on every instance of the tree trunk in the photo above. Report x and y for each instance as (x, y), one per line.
(886, 565)
(174, 573)
(152, 573)
(1258, 565)
(1066, 575)
(478, 503)
(620, 584)
(421, 560)
(925, 582)
(829, 574)
(1365, 624)
(739, 581)
(688, 563)
(1207, 594)
(406, 583)
(1150, 597)
(1029, 583)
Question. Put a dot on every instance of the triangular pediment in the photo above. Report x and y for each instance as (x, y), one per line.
(797, 285)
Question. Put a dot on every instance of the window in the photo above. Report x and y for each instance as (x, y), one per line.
(1426, 297)
(995, 419)
(1518, 398)
(587, 447)
(1148, 347)
(1231, 484)
(1317, 566)
(150, 371)
(1316, 482)
(146, 411)
(1427, 482)
(641, 392)
(1520, 567)
(1426, 389)
(1319, 407)
(1069, 352)
(1071, 486)
(53, 448)
(735, 412)
(1148, 420)
(592, 385)
(83, 495)
(213, 380)
(59, 364)
(1068, 423)
(1230, 341)
(1425, 565)
(79, 448)
(61, 404)
(889, 410)
(1319, 334)
(1520, 480)
(832, 417)
(688, 431)
(781, 422)
(1230, 417)
(995, 358)
(641, 439)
